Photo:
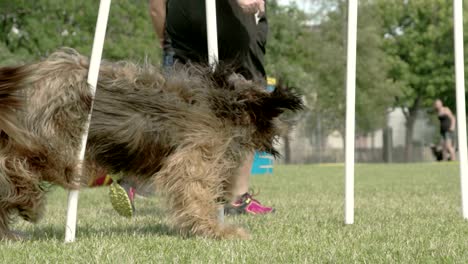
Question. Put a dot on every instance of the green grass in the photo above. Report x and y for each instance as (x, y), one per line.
(404, 214)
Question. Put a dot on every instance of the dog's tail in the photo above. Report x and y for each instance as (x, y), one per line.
(12, 81)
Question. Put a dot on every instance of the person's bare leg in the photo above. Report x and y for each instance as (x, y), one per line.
(450, 149)
(445, 152)
(243, 179)
(243, 201)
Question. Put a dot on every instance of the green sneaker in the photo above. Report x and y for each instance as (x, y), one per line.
(122, 198)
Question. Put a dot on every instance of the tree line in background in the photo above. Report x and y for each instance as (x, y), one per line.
(33, 29)
(405, 60)
(405, 50)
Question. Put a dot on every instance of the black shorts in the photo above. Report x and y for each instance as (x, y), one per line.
(240, 38)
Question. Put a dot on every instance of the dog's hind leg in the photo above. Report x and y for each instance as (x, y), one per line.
(32, 206)
(20, 194)
(192, 181)
(8, 210)
(5, 219)
(6, 207)
(6, 214)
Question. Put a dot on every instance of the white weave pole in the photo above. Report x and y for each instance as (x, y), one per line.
(212, 35)
(212, 31)
(350, 110)
(93, 73)
(461, 114)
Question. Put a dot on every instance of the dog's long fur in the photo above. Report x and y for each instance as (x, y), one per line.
(188, 132)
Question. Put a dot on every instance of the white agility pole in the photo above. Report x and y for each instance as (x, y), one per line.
(93, 73)
(350, 110)
(461, 114)
(212, 31)
(212, 39)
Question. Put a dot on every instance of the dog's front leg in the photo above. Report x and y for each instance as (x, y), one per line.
(192, 182)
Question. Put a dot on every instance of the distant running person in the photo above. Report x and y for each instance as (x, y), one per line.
(447, 127)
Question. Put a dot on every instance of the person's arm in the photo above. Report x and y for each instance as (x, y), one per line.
(263, 30)
(453, 120)
(158, 16)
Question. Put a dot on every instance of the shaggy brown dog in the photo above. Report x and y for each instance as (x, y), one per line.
(187, 132)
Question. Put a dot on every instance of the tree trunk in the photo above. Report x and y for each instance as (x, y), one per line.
(409, 138)
(387, 147)
(287, 150)
(411, 114)
(319, 138)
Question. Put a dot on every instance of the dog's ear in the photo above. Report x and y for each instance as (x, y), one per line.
(268, 105)
(249, 101)
(284, 98)
(263, 108)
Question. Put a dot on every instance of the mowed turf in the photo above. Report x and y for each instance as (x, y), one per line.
(404, 214)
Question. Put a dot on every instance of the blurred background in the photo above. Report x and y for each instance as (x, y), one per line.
(405, 62)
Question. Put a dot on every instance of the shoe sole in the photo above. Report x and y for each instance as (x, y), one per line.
(243, 211)
(120, 200)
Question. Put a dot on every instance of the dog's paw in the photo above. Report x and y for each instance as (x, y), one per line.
(32, 216)
(13, 236)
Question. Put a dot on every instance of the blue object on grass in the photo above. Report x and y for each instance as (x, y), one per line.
(263, 163)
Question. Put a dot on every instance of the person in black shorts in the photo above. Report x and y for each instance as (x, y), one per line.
(447, 127)
(242, 35)
(181, 26)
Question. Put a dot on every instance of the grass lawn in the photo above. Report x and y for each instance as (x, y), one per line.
(404, 214)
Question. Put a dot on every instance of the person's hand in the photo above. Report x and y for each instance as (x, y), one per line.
(452, 129)
(252, 6)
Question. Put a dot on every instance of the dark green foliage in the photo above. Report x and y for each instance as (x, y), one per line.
(419, 41)
(33, 29)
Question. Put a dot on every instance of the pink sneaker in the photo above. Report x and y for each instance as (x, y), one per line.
(246, 204)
